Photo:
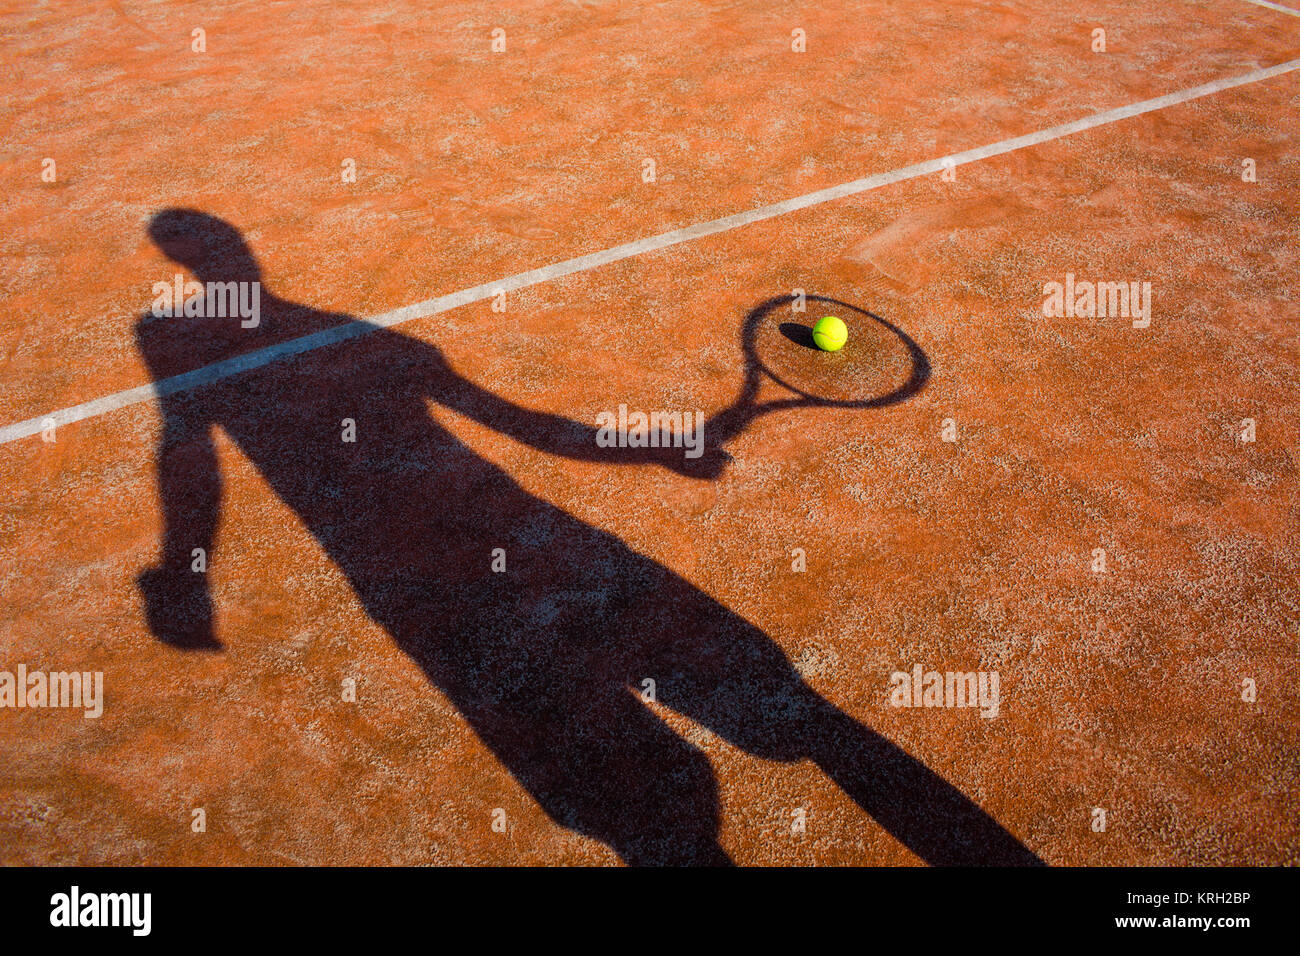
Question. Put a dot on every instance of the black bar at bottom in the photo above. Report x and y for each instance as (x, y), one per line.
(362, 906)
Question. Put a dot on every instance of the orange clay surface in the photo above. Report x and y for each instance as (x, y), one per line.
(520, 691)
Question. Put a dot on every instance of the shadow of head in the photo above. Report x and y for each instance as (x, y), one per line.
(223, 311)
(207, 246)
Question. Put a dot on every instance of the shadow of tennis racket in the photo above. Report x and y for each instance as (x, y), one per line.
(774, 353)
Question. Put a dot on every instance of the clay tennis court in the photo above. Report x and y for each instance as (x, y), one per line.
(1104, 514)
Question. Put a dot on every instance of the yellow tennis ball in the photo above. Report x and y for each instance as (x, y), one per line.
(830, 333)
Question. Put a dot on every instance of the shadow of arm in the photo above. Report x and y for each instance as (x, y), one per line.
(561, 436)
(175, 592)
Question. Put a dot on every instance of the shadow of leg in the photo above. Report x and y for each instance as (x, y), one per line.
(628, 780)
(934, 819)
(738, 683)
(600, 763)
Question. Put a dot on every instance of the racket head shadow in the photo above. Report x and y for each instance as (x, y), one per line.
(880, 365)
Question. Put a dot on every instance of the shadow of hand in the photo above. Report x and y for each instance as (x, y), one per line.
(708, 467)
(178, 608)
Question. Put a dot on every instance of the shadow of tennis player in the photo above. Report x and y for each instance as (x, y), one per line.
(541, 660)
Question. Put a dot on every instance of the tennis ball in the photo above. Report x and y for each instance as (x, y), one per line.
(830, 333)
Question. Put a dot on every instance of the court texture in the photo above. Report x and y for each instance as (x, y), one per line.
(359, 578)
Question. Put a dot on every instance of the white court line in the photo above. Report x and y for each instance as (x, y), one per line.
(1275, 6)
(594, 260)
